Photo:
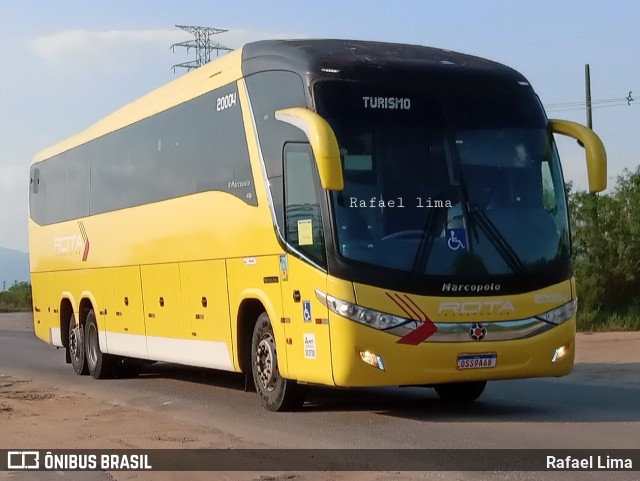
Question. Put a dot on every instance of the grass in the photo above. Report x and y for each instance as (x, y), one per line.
(600, 321)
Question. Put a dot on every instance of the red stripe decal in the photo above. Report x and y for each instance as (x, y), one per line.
(409, 314)
(424, 314)
(85, 238)
(86, 251)
(409, 307)
(415, 337)
(414, 314)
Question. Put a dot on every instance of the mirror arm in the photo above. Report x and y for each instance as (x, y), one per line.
(323, 143)
(594, 150)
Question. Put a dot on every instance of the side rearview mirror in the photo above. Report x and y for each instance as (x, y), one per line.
(594, 150)
(323, 143)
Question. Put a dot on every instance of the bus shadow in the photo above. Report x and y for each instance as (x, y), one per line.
(592, 393)
(208, 377)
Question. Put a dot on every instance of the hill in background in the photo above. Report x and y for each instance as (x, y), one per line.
(14, 267)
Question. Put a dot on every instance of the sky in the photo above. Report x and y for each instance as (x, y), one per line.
(66, 64)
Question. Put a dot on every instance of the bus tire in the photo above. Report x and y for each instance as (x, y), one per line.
(99, 364)
(460, 392)
(276, 393)
(75, 349)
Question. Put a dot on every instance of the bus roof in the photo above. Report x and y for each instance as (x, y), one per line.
(349, 58)
(311, 59)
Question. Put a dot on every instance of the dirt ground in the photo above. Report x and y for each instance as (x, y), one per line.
(31, 414)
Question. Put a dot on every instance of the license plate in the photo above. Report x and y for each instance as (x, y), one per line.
(477, 361)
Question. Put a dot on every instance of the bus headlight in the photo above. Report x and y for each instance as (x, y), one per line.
(363, 315)
(561, 314)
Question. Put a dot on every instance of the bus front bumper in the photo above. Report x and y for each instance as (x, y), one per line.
(363, 356)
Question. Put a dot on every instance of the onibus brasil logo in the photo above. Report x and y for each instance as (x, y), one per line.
(73, 244)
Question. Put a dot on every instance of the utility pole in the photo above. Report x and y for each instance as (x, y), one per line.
(594, 195)
(587, 87)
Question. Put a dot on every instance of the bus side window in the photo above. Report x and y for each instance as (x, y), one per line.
(302, 209)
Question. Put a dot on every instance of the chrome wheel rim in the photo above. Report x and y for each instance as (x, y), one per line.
(266, 364)
(74, 342)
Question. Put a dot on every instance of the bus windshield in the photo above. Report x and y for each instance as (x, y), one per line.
(462, 182)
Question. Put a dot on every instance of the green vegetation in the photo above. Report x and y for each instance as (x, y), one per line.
(16, 298)
(606, 251)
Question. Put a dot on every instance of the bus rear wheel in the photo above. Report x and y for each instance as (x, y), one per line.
(460, 392)
(276, 393)
(76, 347)
(99, 364)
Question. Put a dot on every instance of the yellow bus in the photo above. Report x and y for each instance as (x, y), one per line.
(326, 212)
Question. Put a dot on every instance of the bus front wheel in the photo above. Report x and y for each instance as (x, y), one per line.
(460, 391)
(76, 347)
(276, 393)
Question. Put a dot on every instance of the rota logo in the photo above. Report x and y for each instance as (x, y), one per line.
(73, 244)
(476, 307)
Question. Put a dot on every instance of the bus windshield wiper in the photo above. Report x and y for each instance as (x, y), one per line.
(498, 241)
(475, 215)
(466, 210)
(422, 253)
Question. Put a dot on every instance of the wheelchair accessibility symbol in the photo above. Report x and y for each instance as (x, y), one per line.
(306, 311)
(456, 239)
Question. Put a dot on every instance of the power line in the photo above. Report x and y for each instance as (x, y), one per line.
(202, 44)
(596, 104)
(582, 102)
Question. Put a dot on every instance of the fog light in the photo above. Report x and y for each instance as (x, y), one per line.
(372, 359)
(560, 353)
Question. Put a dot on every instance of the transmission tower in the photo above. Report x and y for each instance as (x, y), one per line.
(202, 43)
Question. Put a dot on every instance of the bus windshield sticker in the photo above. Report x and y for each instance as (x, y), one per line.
(306, 311)
(457, 239)
(284, 267)
(309, 346)
(305, 232)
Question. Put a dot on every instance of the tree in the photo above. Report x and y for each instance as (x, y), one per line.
(17, 297)
(606, 245)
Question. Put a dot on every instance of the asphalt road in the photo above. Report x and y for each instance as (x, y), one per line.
(597, 406)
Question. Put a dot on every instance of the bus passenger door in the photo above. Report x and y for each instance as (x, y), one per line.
(303, 270)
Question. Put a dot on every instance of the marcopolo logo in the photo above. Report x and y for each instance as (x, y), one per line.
(73, 244)
(449, 287)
